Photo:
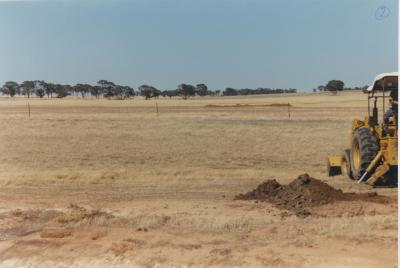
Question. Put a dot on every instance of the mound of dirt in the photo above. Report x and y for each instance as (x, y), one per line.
(302, 193)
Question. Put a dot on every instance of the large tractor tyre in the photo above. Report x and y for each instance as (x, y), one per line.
(345, 165)
(364, 148)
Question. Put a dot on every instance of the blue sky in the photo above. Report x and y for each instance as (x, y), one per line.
(238, 43)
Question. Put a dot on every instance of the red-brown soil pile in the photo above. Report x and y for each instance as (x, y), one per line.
(302, 193)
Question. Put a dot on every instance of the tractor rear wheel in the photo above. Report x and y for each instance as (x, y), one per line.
(364, 148)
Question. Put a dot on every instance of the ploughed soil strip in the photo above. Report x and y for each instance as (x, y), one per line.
(302, 193)
(237, 105)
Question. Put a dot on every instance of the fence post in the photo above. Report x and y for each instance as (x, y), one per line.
(157, 108)
(29, 110)
(288, 107)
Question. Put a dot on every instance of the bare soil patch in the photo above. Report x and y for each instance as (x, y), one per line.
(55, 233)
(238, 105)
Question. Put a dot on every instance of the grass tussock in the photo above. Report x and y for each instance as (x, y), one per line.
(79, 216)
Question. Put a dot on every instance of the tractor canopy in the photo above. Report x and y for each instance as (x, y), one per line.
(384, 82)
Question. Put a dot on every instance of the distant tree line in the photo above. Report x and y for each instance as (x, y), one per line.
(108, 89)
(40, 88)
(337, 85)
(183, 90)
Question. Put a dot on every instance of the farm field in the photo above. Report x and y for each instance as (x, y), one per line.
(86, 182)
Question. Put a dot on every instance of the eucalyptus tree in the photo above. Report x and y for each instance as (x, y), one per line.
(27, 88)
(201, 89)
(10, 88)
(186, 90)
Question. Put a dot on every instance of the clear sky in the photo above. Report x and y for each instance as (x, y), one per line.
(223, 43)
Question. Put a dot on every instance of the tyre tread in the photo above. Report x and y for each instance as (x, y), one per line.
(369, 148)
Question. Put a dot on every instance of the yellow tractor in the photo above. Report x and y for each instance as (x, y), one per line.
(372, 156)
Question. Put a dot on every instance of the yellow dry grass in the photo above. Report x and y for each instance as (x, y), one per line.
(102, 140)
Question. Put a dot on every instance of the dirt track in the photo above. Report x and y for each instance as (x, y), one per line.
(106, 184)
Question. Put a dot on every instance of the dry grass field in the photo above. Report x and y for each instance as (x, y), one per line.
(86, 183)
